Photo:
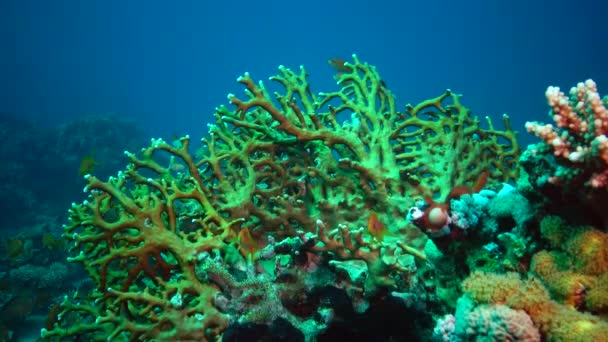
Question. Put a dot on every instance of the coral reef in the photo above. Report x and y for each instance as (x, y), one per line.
(311, 215)
(545, 279)
(271, 208)
(39, 177)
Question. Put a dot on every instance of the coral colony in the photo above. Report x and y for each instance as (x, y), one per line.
(298, 202)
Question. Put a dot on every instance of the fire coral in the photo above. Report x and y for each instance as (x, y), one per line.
(160, 239)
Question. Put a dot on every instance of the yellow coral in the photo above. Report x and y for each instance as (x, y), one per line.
(576, 272)
(597, 298)
(589, 250)
(545, 263)
(566, 286)
(553, 228)
(492, 287)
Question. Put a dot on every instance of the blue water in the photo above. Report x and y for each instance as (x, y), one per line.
(167, 66)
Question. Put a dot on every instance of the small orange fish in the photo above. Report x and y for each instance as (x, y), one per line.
(375, 227)
(247, 242)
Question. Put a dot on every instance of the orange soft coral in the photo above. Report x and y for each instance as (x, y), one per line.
(589, 250)
(566, 286)
(576, 269)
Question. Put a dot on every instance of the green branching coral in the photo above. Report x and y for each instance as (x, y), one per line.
(441, 145)
(274, 167)
(436, 144)
(132, 235)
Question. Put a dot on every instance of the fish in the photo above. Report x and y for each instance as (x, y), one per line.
(340, 65)
(248, 244)
(375, 227)
(53, 316)
(176, 140)
(87, 164)
(50, 242)
(460, 190)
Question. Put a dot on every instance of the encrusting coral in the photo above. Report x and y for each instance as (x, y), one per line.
(575, 269)
(556, 322)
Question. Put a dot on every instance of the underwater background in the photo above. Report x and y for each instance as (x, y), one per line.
(347, 196)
